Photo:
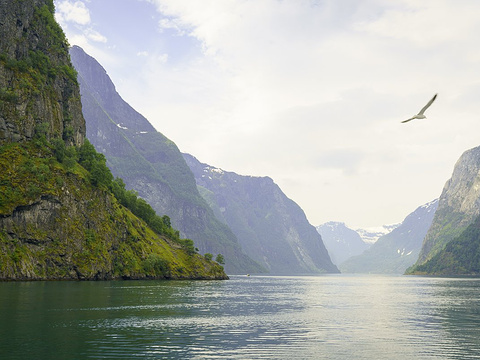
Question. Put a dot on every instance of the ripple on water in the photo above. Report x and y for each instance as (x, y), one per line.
(334, 317)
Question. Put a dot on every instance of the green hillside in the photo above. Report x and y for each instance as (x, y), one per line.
(152, 165)
(460, 257)
(62, 215)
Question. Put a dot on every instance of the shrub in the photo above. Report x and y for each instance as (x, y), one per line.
(208, 256)
(220, 259)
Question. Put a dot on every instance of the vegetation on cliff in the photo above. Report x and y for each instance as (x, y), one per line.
(60, 220)
(37, 82)
(460, 257)
(458, 209)
(152, 165)
(272, 229)
(62, 214)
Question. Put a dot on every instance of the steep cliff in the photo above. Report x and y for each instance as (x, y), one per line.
(55, 225)
(460, 257)
(394, 252)
(151, 164)
(38, 87)
(272, 229)
(459, 206)
(59, 218)
(341, 241)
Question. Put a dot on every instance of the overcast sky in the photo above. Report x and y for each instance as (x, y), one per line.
(308, 92)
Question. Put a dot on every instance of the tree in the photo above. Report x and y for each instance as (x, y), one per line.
(220, 259)
(166, 221)
(208, 256)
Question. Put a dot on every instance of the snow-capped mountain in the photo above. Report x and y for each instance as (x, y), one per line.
(397, 250)
(341, 241)
(372, 234)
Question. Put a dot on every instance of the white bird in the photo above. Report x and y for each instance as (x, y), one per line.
(420, 114)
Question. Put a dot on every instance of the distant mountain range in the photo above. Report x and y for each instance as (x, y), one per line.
(372, 234)
(268, 232)
(397, 250)
(449, 228)
(272, 229)
(153, 166)
(341, 241)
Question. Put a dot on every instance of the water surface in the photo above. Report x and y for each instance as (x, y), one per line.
(264, 317)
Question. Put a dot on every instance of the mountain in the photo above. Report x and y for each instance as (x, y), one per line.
(341, 241)
(459, 207)
(397, 250)
(62, 216)
(272, 229)
(371, 235)
(460, 257)
(151, 164)
(38, 87)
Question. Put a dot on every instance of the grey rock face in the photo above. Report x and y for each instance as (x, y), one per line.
(151, 164)
(272, 229)
(458, 206)
(37, 82)
(341, 241)
(394, 252)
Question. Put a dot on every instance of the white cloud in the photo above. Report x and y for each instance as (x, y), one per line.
(95, 35)
(170, 24)
(74, 17)
(72, 11)
(426, 24)
(162, 58)
(312, 95)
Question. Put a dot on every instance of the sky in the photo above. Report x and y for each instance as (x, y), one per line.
(308, 92)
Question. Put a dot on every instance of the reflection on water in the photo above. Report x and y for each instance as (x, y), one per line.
(333, 317)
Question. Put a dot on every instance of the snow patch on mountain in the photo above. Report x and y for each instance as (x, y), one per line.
(370, 235)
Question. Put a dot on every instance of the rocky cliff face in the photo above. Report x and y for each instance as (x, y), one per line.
(68, 229)
(341, 241)
(458, 206)
(151, 164)
(38, 89)
(459, 257)
(394, 252)
(271, 228)
(56, 221)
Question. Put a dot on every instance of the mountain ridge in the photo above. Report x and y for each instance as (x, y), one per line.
(271, 228)
(60, 218)
(341, 241)
(151, 164)
(458, 209)
(397, 250)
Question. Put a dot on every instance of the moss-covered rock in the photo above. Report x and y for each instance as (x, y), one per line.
(57, 219)
(152, 165)
(55, 225)
(38, 85)
(458, 207)
(460, 257)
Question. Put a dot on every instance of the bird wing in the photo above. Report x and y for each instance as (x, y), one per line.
(428, 104)
(404, 121)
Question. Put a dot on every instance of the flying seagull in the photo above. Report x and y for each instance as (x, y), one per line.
(420, 114)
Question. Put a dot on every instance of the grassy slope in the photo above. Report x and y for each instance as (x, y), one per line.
(87, 235)
(460, 256)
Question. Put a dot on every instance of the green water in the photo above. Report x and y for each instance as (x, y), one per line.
(320, 317)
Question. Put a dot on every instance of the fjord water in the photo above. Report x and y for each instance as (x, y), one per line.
(256, 317)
